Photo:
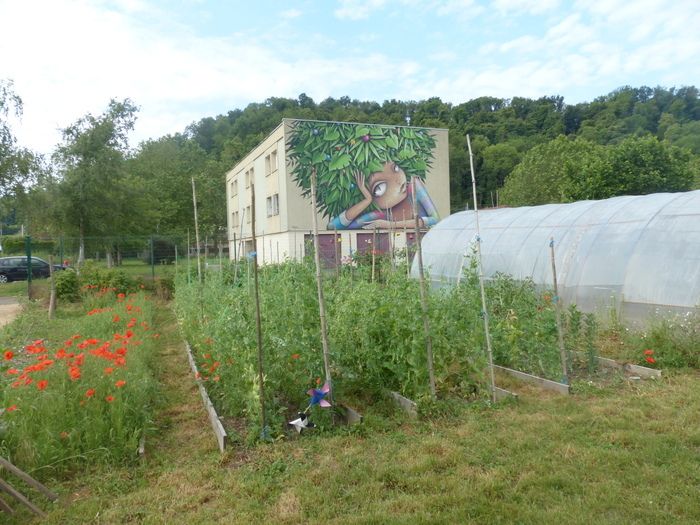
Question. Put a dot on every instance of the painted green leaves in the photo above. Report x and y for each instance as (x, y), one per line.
(338, 151)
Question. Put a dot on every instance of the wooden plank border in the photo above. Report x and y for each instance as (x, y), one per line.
(547, 384)
(502, 393)
(219, 431)
(641, 371)
(404, 403)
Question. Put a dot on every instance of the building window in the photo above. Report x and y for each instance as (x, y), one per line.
(270, 163)
(247, 214)
(249, 177)
(273, 205)
(234, 219)
(234, 187)
(273, 161)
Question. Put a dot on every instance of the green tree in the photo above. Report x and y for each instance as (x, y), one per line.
(91, 193)
(636, 166)
(545, 173)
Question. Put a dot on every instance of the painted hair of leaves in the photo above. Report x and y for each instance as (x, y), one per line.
(338, 150)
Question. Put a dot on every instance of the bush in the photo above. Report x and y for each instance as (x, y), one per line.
(67, 285)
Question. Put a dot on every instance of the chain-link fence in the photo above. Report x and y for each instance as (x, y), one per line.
(27, 258)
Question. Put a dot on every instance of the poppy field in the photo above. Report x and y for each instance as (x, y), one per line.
(78, 389)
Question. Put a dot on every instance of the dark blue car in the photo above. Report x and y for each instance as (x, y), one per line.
(15, 268)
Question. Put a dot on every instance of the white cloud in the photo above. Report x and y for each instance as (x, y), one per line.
(357, 9)
(528, 6)
(290, 14)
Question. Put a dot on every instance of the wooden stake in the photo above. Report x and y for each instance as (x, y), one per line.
(489, 351)
(9, 489)
(319, 285)
(196, 232)
(52, 296)
(258, 323)
(557, 310)
(374, 250)
(424, 298)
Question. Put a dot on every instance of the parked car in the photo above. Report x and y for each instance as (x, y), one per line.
(15, 268)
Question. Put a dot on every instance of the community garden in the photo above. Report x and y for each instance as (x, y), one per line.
(84, 392)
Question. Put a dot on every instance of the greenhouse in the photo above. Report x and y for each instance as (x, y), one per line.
(636, 255)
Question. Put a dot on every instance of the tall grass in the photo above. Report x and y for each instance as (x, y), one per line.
(79, 388)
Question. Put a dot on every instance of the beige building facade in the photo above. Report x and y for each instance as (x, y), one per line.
(368, 178)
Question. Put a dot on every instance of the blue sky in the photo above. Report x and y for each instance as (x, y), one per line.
(187, 59)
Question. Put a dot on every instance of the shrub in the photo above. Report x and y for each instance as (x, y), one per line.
(67, 285)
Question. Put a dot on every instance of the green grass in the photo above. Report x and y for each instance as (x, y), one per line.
(628, 452)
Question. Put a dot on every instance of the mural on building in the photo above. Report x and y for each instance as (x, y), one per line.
(366, 173)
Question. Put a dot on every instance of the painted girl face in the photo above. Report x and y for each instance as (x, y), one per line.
(388, 187)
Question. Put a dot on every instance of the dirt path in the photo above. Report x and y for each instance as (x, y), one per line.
(9, 310)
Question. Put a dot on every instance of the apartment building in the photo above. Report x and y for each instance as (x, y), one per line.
(370, 179)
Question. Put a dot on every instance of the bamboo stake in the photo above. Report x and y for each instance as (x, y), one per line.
(196, 232)
(319, 285)
(188, 257)
(52, 296)
(258, 323)
(335, 252)
(405, 236)
(557, 309)
(489, 351)
(424, 298)
(374, 250)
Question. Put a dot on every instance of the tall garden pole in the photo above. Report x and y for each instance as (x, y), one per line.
(188, 257)
(28, 250)
(196, 232)
(319, 285)
(52, 296)
(153, 261)
(258, 324)
(405, 238)
(335, 252)
(489, 351)
(557, 309)
(374, 250)
(424, 298)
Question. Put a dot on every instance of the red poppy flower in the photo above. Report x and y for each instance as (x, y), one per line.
(109, 399)
(11, 408)
(12, 372)
(108, 370)
(295, 356)
(120, 296)
(115, 319)
(41, 385)
(648, 352)
(90, 392)
(650, 360)
(120, 383)
(74, 372)
(9, 355)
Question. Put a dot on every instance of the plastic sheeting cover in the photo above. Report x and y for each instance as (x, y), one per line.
(636, 254)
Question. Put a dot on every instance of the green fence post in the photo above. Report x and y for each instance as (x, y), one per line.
(153, 264)
(28, 251)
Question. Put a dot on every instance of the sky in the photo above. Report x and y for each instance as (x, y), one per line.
(183, 60)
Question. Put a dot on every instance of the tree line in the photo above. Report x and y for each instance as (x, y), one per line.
(527, 151)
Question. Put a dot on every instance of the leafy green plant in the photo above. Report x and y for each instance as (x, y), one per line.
(67, 285)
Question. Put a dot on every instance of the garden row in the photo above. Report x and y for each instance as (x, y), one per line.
(377, 339)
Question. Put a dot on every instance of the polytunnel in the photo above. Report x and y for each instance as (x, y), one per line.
(635, 254)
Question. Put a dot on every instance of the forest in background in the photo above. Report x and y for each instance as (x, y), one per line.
(527, 151)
